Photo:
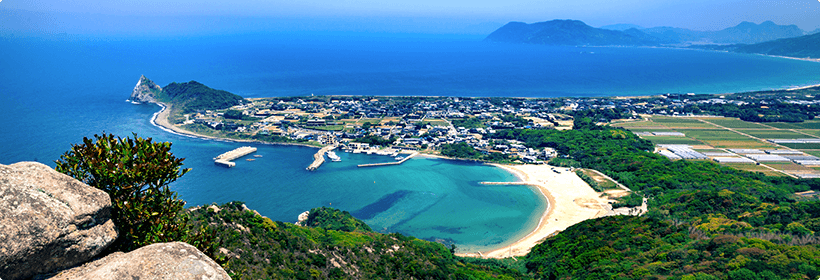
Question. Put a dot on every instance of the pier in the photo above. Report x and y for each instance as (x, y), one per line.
(319, 157)
(389, 163)
(226, 159)
(511, 183)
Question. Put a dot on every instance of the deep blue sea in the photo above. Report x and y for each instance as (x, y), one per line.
(55, 90)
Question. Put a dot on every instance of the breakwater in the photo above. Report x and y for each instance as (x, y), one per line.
(389, 163)
(319, 157)
(226, 159)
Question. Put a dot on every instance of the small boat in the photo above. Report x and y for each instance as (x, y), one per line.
(333, 156)
(257, 156)
(250, 159)
(399, 158)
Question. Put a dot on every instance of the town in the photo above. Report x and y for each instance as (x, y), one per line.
(366, 124)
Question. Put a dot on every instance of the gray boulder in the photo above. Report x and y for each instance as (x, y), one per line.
(49, 221)
(172, 261)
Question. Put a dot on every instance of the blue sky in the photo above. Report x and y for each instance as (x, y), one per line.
(431, 16)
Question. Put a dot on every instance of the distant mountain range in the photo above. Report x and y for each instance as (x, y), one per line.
(573, 32)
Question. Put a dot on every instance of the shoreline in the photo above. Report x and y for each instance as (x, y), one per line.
(570, 201)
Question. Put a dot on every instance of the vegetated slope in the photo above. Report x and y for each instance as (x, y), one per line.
(804, 46)
(258, 248)
(569, 33)
(704, 199)
(626, 247)
(193, 96)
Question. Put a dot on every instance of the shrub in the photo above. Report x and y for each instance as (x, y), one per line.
(135, 173)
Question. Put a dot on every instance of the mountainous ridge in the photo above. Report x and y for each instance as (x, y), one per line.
(577, 33)
(567, 33)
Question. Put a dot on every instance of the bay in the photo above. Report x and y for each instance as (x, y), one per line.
(56, 90)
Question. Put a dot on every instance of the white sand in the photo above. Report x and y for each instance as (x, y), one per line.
(571, 201)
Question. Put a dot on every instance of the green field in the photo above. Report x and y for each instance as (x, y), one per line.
(671, 122)
(812, 124)
(724, 139)
(773, 134)
(640, 124)
(660, 140)
(734, 123)
(801, 146)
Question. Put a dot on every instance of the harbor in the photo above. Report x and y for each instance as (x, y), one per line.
(226, 159)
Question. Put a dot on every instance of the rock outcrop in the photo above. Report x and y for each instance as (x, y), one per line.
(173, 261)
(49, 221)
(145, 91)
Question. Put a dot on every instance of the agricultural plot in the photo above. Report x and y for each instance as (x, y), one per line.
(812, 124)
(719, 138)
(676, 123)
(814, 132)
(734, 123)
(791, 167)
(672, 140)
(802, 146)
(639, 124)
(773, 134)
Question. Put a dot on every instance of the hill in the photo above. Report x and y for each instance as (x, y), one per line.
(255, 247)
(805, 46)
(569, 33)
(193, 96)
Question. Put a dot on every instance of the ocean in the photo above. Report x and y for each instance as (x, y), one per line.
(58, 89)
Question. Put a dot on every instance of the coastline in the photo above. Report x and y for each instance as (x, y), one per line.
(570, 201)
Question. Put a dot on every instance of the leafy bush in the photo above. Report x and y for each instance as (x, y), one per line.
(332, 219)
(135, 173)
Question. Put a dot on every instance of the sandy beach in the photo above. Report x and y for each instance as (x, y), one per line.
(571, 201)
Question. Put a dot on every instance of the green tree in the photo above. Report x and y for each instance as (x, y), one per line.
(135, 173)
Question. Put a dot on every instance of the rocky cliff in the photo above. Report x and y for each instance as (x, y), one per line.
(49, 221)
(172, 261)
(145, 91)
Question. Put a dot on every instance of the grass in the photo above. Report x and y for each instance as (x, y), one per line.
(602, 181)
(437, 122)
(329, 127)
(734, 123)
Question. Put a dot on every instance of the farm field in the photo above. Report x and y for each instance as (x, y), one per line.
(773, 133)
(734, 123)
(812, 124)
(708, 138)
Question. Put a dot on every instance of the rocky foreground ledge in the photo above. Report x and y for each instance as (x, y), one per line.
(50, 222)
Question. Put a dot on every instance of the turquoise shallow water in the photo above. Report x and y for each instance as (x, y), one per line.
(56, 90)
